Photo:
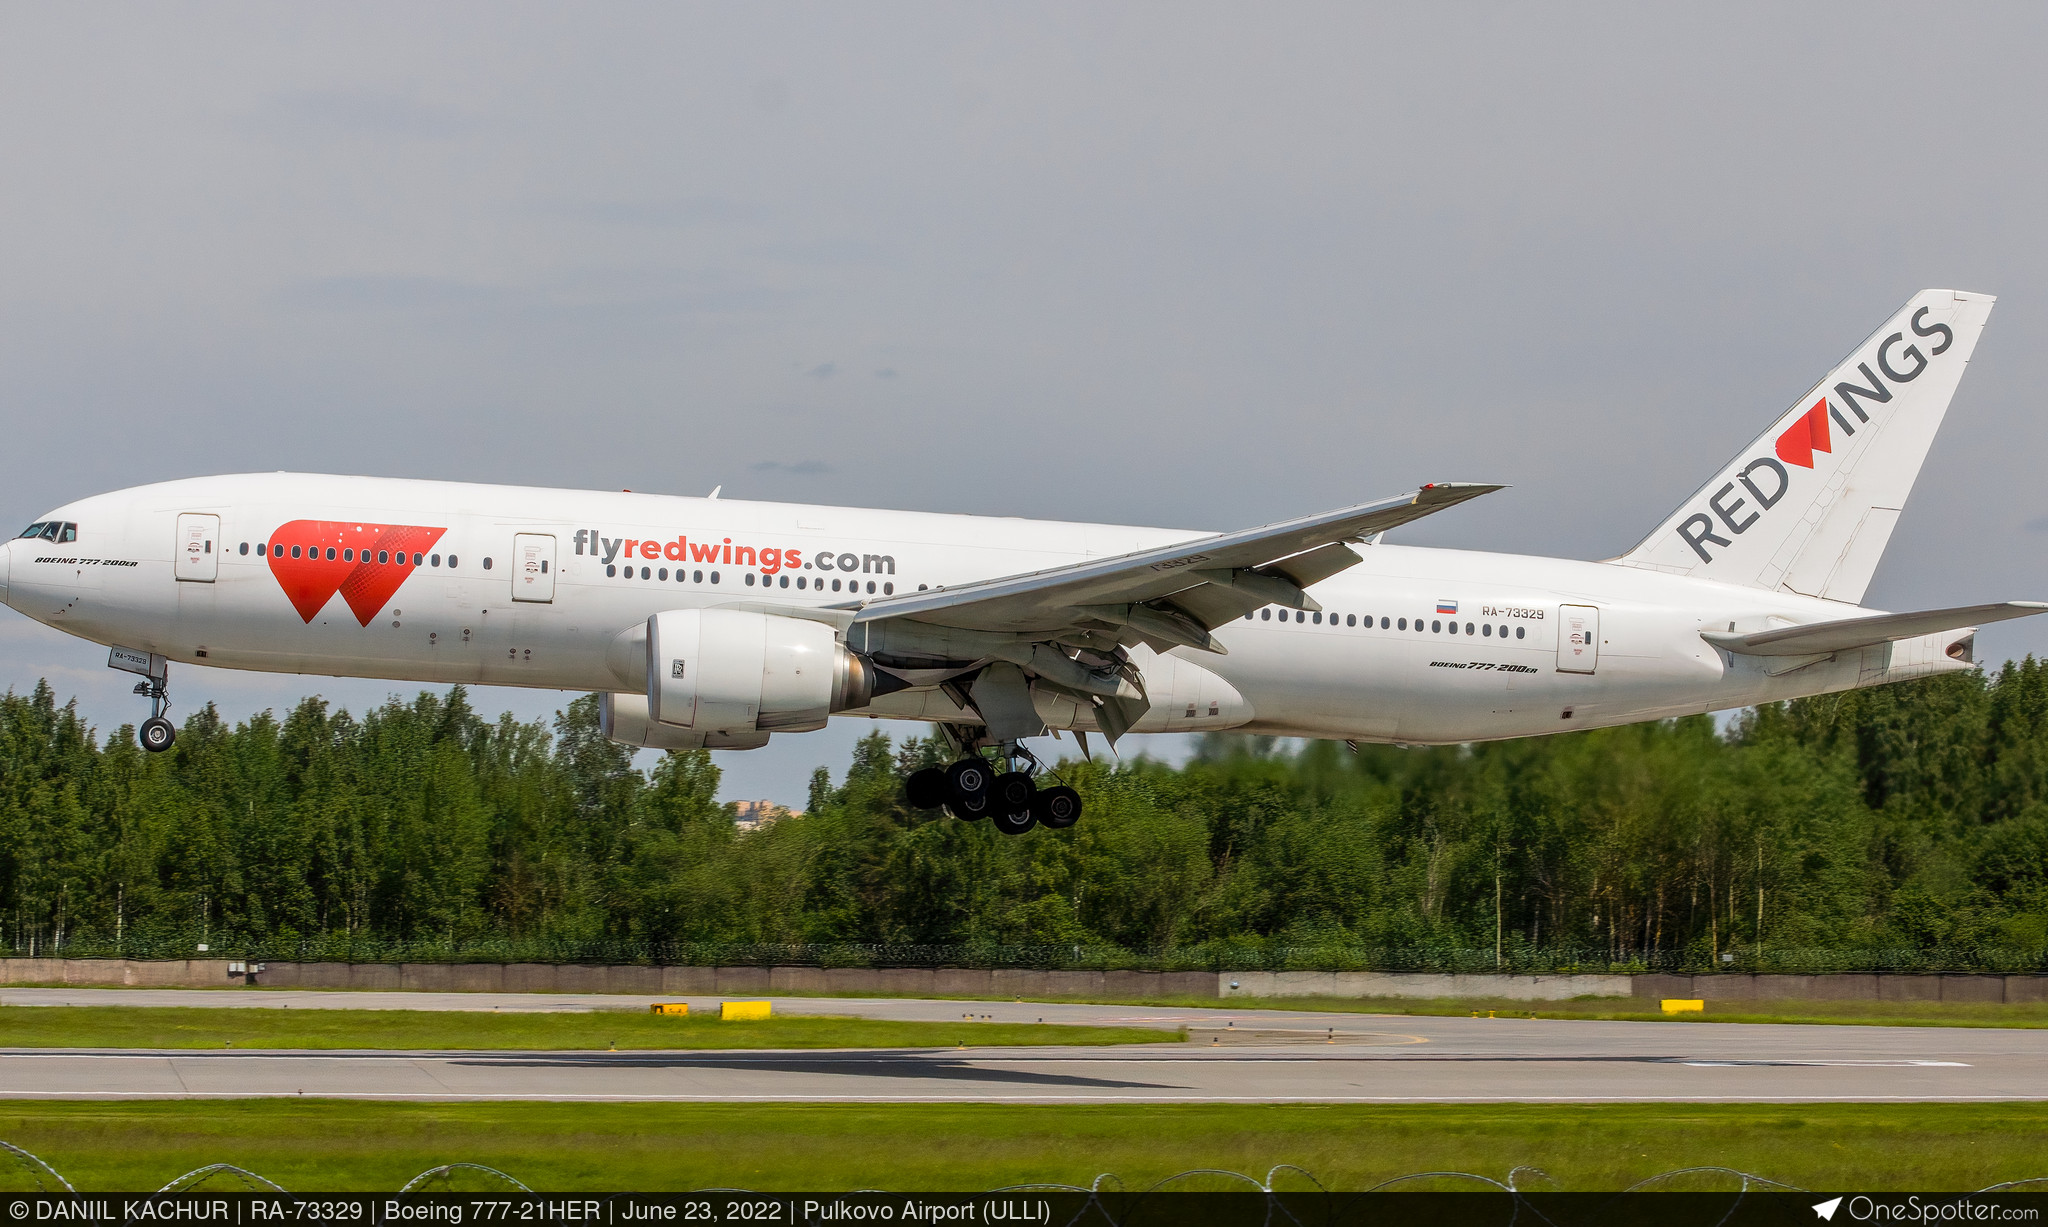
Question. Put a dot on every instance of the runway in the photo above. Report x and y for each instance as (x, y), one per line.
(1236, 1056)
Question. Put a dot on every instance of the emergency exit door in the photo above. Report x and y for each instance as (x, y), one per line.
(198, 559)
(533, 567)
(1578, 638)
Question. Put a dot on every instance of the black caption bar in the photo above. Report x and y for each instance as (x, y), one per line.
(1027, 1207)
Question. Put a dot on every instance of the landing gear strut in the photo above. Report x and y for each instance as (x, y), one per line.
(1012, 801)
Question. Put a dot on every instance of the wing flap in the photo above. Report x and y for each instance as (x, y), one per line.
(1047, 601)
(1822, 638)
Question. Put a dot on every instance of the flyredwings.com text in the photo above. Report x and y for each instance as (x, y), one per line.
(769, 559)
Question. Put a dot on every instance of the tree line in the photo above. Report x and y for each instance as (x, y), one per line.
(1903, 827)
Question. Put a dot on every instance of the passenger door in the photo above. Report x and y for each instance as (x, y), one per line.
(1578, 638)
(533, 567)
(198, 554)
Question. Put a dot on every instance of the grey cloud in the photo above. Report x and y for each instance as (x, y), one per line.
(330, 114)
(802, 468)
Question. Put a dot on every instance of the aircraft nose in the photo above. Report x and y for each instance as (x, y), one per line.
(6, 561)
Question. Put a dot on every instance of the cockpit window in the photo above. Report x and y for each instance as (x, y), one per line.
(33, 530)
(59, 531)
(70, 533)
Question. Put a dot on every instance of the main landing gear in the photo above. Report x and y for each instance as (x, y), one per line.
(1011, 800)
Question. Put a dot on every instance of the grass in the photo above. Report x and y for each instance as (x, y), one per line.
(1632, 1009)
(1623, 1009)
(199, 1027)
(321, 1145)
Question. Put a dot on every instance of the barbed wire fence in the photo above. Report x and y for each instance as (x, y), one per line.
(442, 1177)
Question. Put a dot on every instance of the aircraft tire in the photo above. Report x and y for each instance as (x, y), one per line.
(926, 789)
(1057, 808)
(967, 784)
(1012, 793)
(156, 734)
(1014, 823)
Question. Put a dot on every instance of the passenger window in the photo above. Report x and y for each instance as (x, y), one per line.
(1383, 624)
(714, 577)
(330, 553)
(888, 590)
(435, 559)
(487, 563)
(1404, 624)
(1518, 632)
(1299, 616)
(785, 581)
(1435, 627)
(416, 560)
(871, 587)
(750, 579)
(383, 556)
(835, 585)
(1352, 619)
(1266, 615)
(451, 562)
(1319, 617)
(1468, 628)
(244, 548)
(1489, 630)
(610, 570)
(295, 551)
(696, 577)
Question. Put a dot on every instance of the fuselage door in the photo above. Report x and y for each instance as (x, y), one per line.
(533, 567)
(198, 559)
(1578, 638)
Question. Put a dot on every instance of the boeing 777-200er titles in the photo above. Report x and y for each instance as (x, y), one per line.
(716, 623)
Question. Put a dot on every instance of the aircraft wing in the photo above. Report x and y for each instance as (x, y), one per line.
(1820, 638)
(1175, 594)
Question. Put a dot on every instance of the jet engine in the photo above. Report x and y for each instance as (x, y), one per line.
(730, 671)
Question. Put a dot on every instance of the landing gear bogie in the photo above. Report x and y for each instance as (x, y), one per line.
(1010, 797)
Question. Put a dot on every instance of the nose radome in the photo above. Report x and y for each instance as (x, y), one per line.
(6, 560)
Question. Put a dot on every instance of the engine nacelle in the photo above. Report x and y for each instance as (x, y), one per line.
(730, 671)
(624, 719)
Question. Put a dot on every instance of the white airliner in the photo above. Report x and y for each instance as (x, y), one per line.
(714, 622)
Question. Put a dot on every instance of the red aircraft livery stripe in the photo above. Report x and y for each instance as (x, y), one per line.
(341, 556)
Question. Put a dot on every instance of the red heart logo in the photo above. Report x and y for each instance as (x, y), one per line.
(366, 563)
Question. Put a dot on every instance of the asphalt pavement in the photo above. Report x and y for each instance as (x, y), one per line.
(1235, 1055)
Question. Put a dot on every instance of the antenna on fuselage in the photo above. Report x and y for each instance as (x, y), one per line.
(714, 491)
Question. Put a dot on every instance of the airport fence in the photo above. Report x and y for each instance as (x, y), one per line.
(1239, 954)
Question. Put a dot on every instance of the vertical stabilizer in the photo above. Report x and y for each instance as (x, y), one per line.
(1809, 506)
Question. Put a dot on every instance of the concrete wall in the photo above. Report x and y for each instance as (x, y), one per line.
(1001, 983)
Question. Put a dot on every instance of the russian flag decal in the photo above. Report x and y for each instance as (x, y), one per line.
(1447, 607)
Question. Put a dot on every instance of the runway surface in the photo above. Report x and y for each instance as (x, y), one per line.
(1236, 1056)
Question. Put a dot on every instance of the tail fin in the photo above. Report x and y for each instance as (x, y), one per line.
(1809, 506)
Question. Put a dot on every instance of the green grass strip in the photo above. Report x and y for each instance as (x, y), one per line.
(182, 1027)
(319, 1145)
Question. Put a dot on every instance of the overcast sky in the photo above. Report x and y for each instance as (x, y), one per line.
(1177, 264)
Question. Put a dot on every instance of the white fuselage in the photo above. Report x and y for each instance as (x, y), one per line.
(182, 569)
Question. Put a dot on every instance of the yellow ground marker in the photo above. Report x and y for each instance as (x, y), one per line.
(742, 1011)
(670, 1007)
(1682, 1005)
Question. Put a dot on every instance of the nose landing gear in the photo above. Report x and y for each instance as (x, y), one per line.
(156, 733)
(1012, 801)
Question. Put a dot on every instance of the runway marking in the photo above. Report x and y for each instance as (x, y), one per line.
(1873, 1064)
(997, 1098)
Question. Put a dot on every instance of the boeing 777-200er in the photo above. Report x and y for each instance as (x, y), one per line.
(715, 623)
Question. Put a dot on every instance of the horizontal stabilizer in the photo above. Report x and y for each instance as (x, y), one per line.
(1820, 638)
